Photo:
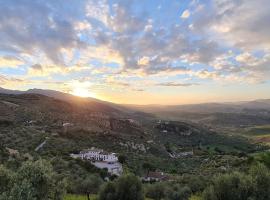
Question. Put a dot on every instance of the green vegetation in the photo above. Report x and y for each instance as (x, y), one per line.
(33, 180)
(127, 187)
(79, 197)
(259, 130)
(214, 163)
(168, 191)
(90, 185)
(259, 134)
(239, 186)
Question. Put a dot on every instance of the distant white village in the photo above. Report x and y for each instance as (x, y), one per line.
(102, 160)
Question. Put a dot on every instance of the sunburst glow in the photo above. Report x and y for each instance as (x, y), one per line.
(82, 92)
(82, 89)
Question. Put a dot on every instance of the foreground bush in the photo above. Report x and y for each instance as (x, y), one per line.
(239, 186)
(33, 181)
(90, 185)
(156, 191)
(128, 187)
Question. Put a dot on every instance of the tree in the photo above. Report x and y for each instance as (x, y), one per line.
(108, 192)
(156, 191)
(21, 192)
(34, 181)
(122, 159)
(91, 185)
(147, 167)
(176, 192)
(128, 187)
(235, 186)
(239, 186)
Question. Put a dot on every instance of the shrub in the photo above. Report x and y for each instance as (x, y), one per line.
(239, 186)
(127, 187)
(34, 180)
(156, 191)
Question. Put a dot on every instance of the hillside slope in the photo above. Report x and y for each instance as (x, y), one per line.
(27, 120)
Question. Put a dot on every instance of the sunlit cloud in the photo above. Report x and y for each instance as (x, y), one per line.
(9, 61)
(185, 14)
(132, 46)
(11, 82)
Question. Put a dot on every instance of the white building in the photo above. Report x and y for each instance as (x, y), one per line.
(101, 159)
(96, 155)
(113, 168)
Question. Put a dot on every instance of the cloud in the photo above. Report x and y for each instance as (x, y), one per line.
(9, 82)
(138, 90)
(53, 37)
(37, 67)
(221, 40)
(175, 84)
(114, 82)
(103, 53)
(185, 14)
(123, 20)
(243, 24)
(10, 61)
(38, 70)
(148, 28)
(144, 61)
(246, 57)
(48, 29)
(153, 52)
(98, 10)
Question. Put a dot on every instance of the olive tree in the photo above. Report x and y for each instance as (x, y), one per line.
(127, 187)
(33, 181)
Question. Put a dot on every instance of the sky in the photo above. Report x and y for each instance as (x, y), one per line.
(138, 51)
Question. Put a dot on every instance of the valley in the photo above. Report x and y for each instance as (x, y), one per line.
(35, 126)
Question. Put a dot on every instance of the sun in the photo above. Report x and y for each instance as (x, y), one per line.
(82, 92)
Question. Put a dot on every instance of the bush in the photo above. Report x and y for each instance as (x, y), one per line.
(176, 192)
(127, 187)
(90, 185)
(239, 186)
(34, 180)
(235, 186)
(122, 158)
(260, 176)
(5, 179)
(108, 192)
(156, 191)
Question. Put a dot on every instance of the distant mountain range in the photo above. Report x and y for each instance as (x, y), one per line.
(227, 107)
(89, 102)
(49, 93)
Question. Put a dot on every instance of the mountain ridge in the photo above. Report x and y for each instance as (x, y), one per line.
(66, 96)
